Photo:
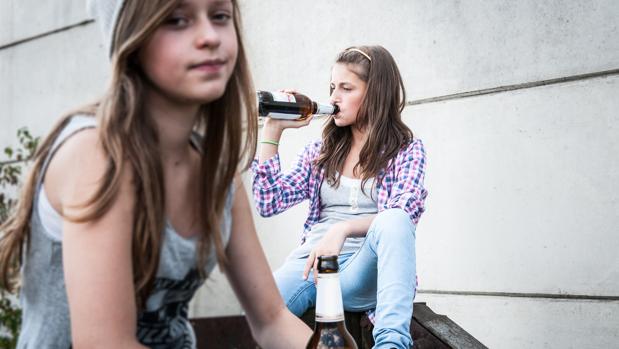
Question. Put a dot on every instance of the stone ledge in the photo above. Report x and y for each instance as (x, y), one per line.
(428, 329)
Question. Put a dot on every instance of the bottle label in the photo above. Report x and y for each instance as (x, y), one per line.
(283, 97)
(284, 116)
(329, 306)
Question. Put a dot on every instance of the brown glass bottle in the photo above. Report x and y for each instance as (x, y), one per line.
(292, 106)
(330, 331)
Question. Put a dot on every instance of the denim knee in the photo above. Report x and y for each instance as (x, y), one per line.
(298, 294)
(303, 299)
(396, 222)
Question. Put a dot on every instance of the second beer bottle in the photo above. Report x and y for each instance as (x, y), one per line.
(330, 331)
(292, 106)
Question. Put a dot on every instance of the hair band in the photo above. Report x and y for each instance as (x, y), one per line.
(363, 53)
(265, 141)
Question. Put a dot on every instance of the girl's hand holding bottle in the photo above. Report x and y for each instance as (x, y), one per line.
(273, 127)
(330, 245)
(288, 108)
(281, 123)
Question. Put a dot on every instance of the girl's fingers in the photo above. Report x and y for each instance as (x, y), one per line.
(307, 121)
(301, 123)
(316, 270)
(288, 90)
(308, 265)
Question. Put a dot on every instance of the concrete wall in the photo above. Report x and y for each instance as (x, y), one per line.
(516, 103)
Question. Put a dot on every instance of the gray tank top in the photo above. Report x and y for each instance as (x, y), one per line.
(164, 321)
(343, 203)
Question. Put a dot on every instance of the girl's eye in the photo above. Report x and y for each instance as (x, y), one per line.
(331, 88)
(178, 22)
(222, 17)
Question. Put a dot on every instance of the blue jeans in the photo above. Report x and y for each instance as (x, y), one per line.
(380, 275)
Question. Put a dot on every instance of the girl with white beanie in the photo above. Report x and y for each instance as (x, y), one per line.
(131, 201)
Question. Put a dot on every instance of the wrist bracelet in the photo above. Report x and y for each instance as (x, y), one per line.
(269, 142)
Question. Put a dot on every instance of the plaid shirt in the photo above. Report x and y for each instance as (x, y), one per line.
(401, 185)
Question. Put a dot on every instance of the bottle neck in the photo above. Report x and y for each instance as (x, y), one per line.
(329, 307)
(325, 109)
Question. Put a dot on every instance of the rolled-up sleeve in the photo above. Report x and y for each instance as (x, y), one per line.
(274, 191)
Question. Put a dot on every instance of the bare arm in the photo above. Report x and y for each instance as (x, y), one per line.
(96, 254)
(272, 325)
(333, 240)
(272, 131)
(355, 228)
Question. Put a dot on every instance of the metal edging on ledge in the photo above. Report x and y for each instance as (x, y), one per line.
(48, 33)
(507, 88)
(522, 295)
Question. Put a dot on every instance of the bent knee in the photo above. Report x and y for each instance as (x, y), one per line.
(393, 214)
(395, 221)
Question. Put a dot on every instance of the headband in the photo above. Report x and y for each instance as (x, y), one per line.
(363, 53)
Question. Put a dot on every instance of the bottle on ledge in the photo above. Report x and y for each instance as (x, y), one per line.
(291, 106)
(330, 330)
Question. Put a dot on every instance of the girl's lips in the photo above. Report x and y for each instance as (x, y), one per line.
(211, 67)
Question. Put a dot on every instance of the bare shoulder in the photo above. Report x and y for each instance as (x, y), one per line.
(77, 170)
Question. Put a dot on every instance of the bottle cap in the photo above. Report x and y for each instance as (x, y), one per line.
(328, 264)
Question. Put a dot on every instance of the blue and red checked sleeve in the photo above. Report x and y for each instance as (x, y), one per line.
(408, 192)
(274, 191)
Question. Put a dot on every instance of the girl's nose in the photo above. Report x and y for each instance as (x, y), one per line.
(207, 35)
(334, 98)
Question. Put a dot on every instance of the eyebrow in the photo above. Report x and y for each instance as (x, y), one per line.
(181, 5)
(186, 3)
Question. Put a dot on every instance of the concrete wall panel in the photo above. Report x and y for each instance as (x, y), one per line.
(523, 191)
(27, 18)
(45, 78)
(442, 47)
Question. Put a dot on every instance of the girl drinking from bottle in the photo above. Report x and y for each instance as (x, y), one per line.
(133, 200)
(364, 182)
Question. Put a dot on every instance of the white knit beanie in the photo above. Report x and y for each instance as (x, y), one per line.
(106, 13)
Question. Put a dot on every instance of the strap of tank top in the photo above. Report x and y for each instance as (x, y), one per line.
(77, 123)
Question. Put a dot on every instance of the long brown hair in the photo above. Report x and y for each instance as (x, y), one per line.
(380, 114)
(228, 126)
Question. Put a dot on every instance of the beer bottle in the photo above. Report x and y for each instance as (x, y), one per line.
(330, 330)
(292, 106)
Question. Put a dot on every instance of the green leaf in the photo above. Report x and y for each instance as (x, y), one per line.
(10, 177)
